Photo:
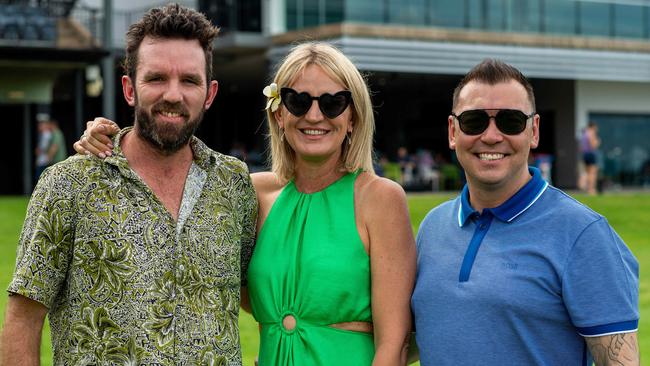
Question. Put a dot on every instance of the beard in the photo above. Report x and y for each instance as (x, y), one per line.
(167, 138)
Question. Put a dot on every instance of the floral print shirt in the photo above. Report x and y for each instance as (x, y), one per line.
(124, 283)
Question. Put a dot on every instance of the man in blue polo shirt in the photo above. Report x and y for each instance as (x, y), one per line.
(514, 271)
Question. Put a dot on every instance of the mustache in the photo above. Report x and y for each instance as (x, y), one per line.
(170, 107)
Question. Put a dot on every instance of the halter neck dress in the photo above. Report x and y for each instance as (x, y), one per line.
(309, 262)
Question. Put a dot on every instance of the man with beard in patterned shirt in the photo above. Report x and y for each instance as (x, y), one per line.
(139, 258)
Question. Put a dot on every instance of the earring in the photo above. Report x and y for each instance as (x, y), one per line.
(349, 137)
(281, 134)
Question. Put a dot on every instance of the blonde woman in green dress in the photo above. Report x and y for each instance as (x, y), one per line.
(333, 268)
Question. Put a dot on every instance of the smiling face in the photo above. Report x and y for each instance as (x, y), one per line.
(170, 93)
(494, 161)
(313, 136)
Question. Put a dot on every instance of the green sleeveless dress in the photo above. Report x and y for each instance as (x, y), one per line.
(309, 262)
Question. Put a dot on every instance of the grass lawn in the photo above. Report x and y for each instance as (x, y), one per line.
(627, 213)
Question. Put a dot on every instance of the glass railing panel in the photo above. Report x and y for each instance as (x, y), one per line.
(559, 16)
(411, 12)
(370, 11)
(443, 13)
(595, 19)
(629, 21)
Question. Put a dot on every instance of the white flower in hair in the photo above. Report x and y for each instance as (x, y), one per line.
(273, 93)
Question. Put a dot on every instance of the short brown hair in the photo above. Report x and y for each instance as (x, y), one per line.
(491, 71)
(171, 21)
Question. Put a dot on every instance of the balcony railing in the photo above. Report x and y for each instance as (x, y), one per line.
(614, 18)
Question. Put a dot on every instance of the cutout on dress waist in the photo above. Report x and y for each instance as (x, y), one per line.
(362, 327)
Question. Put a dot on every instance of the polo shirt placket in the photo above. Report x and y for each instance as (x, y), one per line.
(506, 213)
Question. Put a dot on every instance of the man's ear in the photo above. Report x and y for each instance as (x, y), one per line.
(451, 132)
(213, 87)
(128, 89)
(534, 139)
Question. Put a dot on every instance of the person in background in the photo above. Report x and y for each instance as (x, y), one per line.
(42, 145)
(589, 144)
(138, 259)
(51, 145)
(238, 150)
(57, 150)
(407, 166)
(514, 271)
(332, 273)
(428, 173)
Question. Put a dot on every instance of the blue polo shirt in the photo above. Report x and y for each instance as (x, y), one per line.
(522, 283)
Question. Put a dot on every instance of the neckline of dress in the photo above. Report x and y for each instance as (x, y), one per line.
(292, 183)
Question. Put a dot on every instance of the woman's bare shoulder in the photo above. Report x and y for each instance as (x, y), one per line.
(266, 183)
(378, 190)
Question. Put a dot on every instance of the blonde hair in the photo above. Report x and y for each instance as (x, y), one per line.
(357, 154)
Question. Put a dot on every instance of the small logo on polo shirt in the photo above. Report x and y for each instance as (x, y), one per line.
(510, 265)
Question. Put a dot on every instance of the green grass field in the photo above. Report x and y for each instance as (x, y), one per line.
(627, 213)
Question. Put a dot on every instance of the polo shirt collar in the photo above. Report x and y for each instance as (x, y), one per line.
(514, 206)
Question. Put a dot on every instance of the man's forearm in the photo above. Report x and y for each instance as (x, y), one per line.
(616, 349)
(21, 334)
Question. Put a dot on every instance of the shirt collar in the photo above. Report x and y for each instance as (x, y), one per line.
(203, 156)
(514, 206)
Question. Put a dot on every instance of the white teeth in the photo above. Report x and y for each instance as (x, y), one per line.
(170, 114)
(490, 156)
(314, 132)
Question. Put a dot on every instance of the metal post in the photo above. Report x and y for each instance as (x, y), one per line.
(78, 102)
(386, 11)
(108, 64)
(577, 27)
(28, 174)
(612, 20)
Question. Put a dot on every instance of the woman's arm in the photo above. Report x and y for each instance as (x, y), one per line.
(392, 263)
(245, 300)
(96, 139)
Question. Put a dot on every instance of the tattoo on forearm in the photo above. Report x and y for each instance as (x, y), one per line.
(616, 349)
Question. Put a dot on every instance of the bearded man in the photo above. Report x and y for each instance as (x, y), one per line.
(139, 258)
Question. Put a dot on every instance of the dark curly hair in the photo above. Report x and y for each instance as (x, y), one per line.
(170, 21)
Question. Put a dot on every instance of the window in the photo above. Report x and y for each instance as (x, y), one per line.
(624, 153)
(334, 11)
(526, 15)
(445, 13)
(497, 15)
(371, 11)
(292, 15)
(311, 13)
(559, 16)
(409, 12)
(595, 19)
(475, 14)
(628, 21)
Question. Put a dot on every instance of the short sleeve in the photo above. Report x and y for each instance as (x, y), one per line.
(45, 245)
(600, 284)
(248, 207)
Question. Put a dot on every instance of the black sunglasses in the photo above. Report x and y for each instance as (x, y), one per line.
(331, 105)
(508, 121)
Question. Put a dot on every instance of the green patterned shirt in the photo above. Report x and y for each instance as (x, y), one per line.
(124, 283)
